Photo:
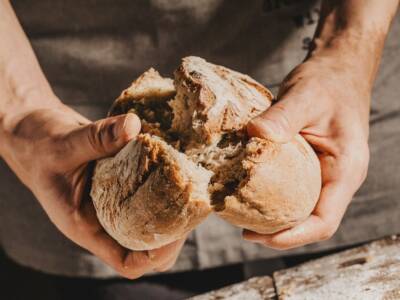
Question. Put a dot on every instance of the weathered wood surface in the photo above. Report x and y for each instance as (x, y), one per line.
(257, 288)
(371, 272)
(368, 272)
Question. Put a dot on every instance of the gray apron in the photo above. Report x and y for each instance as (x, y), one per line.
(91, 50)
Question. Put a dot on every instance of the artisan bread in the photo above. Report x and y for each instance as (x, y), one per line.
(194, 156)
(149, 194)
(279, 189)
(212, 100)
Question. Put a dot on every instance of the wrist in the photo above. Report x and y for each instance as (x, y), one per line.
(15, 107)
(351, 35)
(21, 87)
(15, 103)
(350, 52)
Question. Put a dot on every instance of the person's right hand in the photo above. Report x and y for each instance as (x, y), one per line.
(50, 150)
(327, 102)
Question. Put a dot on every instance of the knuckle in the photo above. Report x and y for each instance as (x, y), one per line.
(328, 232)
(279, 113)
(94, 136)
(357, 161)
(99, 137)
(103, 136)
(280, 110)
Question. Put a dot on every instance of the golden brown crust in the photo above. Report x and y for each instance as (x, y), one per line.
(148, 87)
(215, 99)
(283, 181)
(280, 190)
(149, 195)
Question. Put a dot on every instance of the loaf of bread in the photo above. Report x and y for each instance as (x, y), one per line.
(194, 157)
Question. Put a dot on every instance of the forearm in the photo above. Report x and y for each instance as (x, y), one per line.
(326, 99)
(22, 84)
(353, 33)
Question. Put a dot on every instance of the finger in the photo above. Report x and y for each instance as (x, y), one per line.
(287, 117)
(127, 263)
(173, 257)
(139, 263)
(93, 237)
(101, 139)
(321, 225)
(130, 264)
(309, 231)
(164, 255)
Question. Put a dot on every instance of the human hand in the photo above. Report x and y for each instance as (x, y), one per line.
(50, 149)
(326, 99)
(329, 105)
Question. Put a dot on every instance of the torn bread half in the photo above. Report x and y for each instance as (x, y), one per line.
(200, 118)
(149, 194)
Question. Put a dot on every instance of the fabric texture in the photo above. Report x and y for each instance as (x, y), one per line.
(91, 50)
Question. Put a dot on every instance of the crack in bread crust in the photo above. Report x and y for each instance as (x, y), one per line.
(224, 100)
(199, 158)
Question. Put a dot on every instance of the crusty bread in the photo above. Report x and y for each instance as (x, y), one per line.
(212, 99)
(149, 194)
(149, 88)
(201, 160)
(280, 188)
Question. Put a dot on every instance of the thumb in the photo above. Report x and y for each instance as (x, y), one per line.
(281, 122)
(102, 138)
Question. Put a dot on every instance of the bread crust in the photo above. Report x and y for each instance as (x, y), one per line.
(282, 182)
(194, 156)
(281, 186)
(148, 87)
(216, 98)
(149, 194)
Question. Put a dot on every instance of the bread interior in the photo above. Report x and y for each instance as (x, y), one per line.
(223, 156)
(155, 114)
(172, 116)
(224, 159)
(157, 156)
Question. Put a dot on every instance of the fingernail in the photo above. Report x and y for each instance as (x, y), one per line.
(126, 127)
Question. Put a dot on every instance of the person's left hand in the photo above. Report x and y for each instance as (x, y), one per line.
(50, 149)
(329, 106)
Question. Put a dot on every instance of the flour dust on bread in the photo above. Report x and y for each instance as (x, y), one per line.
(199, 119)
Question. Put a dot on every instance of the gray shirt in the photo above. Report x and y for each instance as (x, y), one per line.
(91, 50)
